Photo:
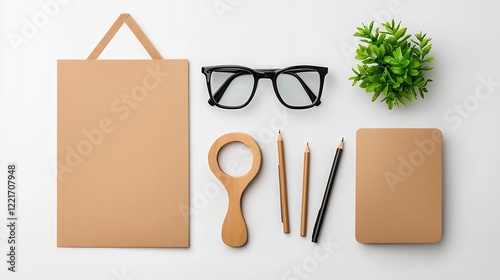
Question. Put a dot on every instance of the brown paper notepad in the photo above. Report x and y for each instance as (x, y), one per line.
(398, 185)
(122, 151)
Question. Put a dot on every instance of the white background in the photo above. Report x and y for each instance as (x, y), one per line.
(262, 34)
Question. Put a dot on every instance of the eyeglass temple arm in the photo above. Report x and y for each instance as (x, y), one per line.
(220, 92)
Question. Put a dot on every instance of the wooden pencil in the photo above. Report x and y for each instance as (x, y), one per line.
(305, 191)
(283, 191)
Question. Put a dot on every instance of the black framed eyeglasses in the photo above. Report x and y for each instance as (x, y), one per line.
(233, 86)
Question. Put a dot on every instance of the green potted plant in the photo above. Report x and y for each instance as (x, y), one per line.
(392, 63)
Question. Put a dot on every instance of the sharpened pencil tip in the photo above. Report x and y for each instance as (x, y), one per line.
(279, 130)
(342, 139)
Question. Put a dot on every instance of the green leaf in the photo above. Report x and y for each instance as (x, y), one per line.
(414, 92)
(400, 33)
(389, 104)
(421, 84)
(374, 70)
(421, 93)
(381, 51)
(381, 38)
(430, 59)
(420, 36)
(400, 79)
(401, 100)
(372, 86)
(368, 61)
(361, 50)
(389, 29)
(424, 42)
(359, 57)
(372, 51)
(397, 54)
(413, 72)
(391, 80)
(354, 82)
(361, 70)
(364, 84)
(391, 41)
(408, 94)
(414, 63)
(405, 39)
(426, 50)
(406, 52)
(427, 68)
(405, 63)
(397, 70)
(395, 63)
(375, 96)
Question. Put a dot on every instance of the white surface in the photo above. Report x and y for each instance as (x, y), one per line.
(264, 34)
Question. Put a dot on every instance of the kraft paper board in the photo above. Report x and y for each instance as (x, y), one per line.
(399, 185)
(122, 151)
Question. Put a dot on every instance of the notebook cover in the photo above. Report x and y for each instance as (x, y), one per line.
(398, 185)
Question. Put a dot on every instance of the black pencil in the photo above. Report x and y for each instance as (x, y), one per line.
(328, 190)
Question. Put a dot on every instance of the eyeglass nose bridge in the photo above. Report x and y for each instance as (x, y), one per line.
(265, 73)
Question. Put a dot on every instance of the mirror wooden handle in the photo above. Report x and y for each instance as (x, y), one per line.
(234, 228)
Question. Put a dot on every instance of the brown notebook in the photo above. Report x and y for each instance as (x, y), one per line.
(122, 149)
(398, 185)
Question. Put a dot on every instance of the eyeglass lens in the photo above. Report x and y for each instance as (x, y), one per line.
(298, 87)
(231, 87)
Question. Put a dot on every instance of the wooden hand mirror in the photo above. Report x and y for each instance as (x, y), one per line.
(234, 228)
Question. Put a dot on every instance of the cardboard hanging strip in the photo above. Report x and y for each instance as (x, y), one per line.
(134, 27)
